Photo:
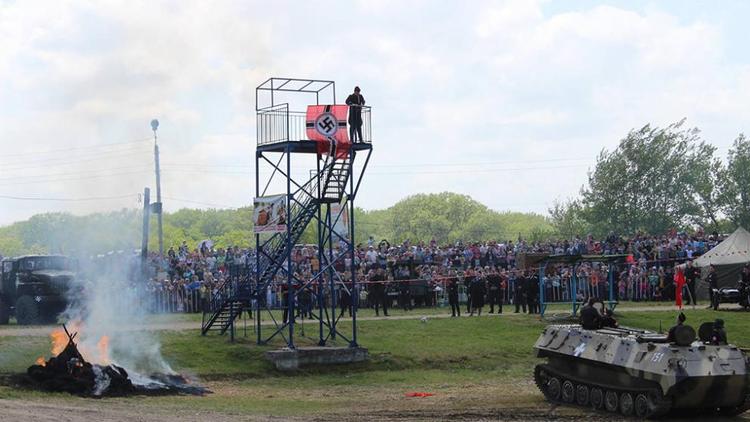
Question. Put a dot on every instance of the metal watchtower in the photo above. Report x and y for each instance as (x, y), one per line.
(308, 156)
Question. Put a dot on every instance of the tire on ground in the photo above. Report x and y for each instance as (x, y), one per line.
(4, 312)
(27, 311)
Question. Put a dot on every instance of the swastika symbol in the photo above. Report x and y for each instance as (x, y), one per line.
(326, 124)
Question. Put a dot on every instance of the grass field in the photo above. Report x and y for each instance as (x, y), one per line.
(471, 364)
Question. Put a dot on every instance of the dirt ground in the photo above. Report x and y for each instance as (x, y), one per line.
(480, 402)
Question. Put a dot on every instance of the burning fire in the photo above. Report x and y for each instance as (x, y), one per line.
(40, 361)
(98, 354)
(102, 346)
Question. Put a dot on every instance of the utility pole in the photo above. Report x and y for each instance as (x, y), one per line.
(158, 210)
(144, 239)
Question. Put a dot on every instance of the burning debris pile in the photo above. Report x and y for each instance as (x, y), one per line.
(69, 371)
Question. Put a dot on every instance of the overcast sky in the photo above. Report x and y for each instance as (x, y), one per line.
(509, 102)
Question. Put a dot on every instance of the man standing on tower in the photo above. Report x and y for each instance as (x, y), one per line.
(355, 102)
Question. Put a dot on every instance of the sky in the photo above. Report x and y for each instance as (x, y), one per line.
(509, 102)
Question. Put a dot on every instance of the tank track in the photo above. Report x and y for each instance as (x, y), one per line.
(642, 403)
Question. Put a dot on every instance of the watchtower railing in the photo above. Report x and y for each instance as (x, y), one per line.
(278, 124)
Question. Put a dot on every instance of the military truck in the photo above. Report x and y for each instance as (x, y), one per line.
(34, 288)
(638, 372)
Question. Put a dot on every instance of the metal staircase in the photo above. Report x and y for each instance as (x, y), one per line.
(233, 298)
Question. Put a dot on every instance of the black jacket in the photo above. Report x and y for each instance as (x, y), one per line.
(355, 113)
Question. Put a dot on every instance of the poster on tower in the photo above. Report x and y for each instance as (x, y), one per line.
(269, 214)
(340, 219)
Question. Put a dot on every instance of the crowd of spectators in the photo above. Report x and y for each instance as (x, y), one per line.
(419, 274)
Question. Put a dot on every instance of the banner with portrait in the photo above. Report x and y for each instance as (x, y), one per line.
(269, 214)
(340, 218)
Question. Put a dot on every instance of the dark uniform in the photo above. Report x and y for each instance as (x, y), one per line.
(519, 293)
(285, 301)
(719, 335)
(453, 296)
(355, 102)
(468, 280)
(345, 299)
(590, 318)
(495, 294)
(532, 293)
(713, 283)
(478, 290)
(377, 292)
(691, 274)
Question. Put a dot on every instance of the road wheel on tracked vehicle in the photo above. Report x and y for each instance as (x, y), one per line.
(626, 404)
(611, 401)
(568, 392)
(554, 388)
(582, 395)
(27, 311)
(642, 406)
(596, 398)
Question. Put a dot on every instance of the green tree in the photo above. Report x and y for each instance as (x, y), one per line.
(568, 219)
(736, 183)
(652, 182)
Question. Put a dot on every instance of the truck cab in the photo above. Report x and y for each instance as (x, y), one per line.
(34, 288)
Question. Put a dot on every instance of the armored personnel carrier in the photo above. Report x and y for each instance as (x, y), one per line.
(641, 373)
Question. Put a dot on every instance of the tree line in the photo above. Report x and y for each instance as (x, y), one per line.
(444, 217)
(658, 179)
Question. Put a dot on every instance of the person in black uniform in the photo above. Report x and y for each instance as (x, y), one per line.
(590, 317)
(355, 102)
(744, 286)
(719, 335)
(532, 292)
(377, 291)
(495, 295)
(519, 293)
(477, 290)
(285, 301)
(680, 321)
(452, 287)
(345, 298)
(468, 280)
(608, 320)
(691, 274)
(305, 303)
(713, 283)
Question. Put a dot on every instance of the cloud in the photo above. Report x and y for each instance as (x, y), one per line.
(509, 83)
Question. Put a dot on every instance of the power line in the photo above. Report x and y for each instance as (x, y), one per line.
(86, 172)
(49, 151)
(93, 198)
(63, 161)
(54, 180)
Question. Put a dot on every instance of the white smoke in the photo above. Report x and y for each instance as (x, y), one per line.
(111, 304)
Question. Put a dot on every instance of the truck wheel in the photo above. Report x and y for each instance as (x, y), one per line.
(4, 313)
(27, 311)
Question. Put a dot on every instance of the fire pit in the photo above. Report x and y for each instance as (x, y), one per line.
(68, 371)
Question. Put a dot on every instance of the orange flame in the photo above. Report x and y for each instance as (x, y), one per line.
(40, 361)
(103, 347)
(59, 341)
